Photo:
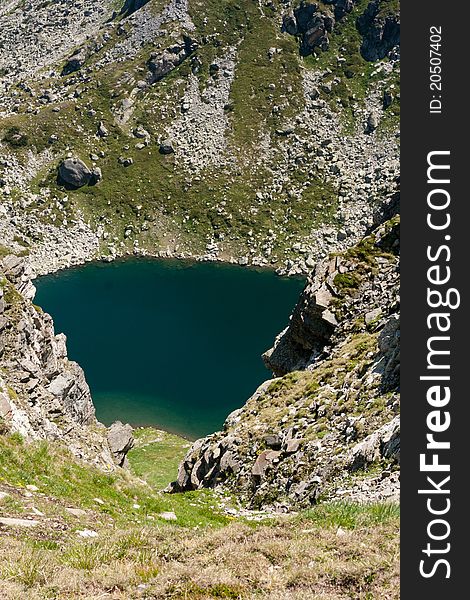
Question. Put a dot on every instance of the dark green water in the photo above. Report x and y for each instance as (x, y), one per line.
(169, 343)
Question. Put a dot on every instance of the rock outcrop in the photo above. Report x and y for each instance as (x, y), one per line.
(131, 6)
(379, 26)
(329, 422)
(311, 25)
(43, 394)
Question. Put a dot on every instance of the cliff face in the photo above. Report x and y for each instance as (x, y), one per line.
(328, 426)
(43, 395)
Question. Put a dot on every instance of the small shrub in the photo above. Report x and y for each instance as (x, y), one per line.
(87, 556)
(28, 569)
(14, 137)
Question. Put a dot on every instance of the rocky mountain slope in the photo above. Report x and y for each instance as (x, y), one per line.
(257, 132)
(328, 425)
(44, 395)
(264, 133)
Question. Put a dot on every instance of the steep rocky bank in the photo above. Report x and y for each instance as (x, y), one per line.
(328, 425)
(44, 395)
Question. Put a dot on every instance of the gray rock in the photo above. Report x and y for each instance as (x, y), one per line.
(372, 315)
(166, 147)
(96, 175)
(387, 99)
(383, 443)
(381, 33)
(11, 522)
(168, 516)
(273, 441)
(372, 123)
(140, 132)
(293, 445)
(102, 131)
(74, 172)
(120, 440)
(264, 460)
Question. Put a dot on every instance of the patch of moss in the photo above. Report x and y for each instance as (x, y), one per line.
(347, 281)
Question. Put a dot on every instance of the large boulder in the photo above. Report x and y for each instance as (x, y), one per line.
(75, 62)
(120, 440)
(74, 172)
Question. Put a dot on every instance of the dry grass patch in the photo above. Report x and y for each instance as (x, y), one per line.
(332, 551)
(291, 559)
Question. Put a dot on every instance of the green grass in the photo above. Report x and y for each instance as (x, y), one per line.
(15, 137)
(346, 282)
(157, 455)
(350, 515)
(173, 559)
(54, 471)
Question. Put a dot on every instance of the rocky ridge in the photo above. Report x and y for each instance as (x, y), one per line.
(328, 425)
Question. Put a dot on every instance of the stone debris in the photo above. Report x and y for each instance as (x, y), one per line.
(11, 522)
(168, 516)
(87, 533)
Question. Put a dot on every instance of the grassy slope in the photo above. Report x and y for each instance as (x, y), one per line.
(171, 207)
(331, 551)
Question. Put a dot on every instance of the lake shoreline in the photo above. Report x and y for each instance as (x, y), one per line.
(159, 339)
(190, 261)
